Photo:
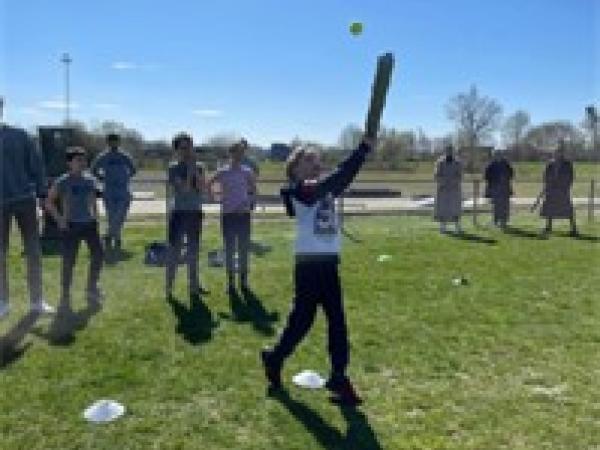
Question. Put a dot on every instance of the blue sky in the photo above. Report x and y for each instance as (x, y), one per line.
(275, 69)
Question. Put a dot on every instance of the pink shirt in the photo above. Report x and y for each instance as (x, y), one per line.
(236, 186)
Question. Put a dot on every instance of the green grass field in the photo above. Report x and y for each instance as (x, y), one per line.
(509, 361)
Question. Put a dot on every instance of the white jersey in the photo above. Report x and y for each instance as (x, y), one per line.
(317, 227)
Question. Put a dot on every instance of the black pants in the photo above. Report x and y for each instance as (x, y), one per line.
(188, 224)
(25, 213)
(316, 283)
(72, 237)
(236, 236)
(501, 209)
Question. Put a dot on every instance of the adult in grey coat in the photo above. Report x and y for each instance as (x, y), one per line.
(448, 199)
(22, 181)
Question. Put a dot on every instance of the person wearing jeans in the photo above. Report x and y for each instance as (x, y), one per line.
(22, 182)
(238, 190)
(115, 167)
(75, 191)
(186, 185)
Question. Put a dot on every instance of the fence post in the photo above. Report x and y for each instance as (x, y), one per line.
(591, 201)
(341, 214)
(475, 200)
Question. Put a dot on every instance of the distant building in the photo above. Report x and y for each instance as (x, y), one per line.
(279, 152)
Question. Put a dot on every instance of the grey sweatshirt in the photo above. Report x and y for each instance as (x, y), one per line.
(21, 167)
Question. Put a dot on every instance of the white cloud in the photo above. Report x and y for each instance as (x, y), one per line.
(208, 113)
(131, 65)
(124, 65)
(106, 105)
(56, 105)
(30, 111)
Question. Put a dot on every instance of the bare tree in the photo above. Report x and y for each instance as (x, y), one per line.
(514, 130)
(547, 136)
(475, 116)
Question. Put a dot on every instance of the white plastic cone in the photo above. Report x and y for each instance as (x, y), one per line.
(103, 411)
(309, 379)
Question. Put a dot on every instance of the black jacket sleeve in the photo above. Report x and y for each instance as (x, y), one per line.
(338, 180)
(334, 183)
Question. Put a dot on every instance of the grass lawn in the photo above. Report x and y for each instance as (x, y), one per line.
(510, 360)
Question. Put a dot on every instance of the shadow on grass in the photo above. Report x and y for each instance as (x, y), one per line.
(115, 256)
(359, 434)
(519, 232)
(582, 237)
(249, 308)
(11, 347)
(352, 237)
(469, 237)
(66, 323)
(196, 323)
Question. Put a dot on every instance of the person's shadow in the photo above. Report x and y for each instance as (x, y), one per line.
(358, 435)
(196, 323)
(249, 308)
(11, 346)
(469, 237)
(519, 232)
(114, 256)
(66, 323)
(582, 237)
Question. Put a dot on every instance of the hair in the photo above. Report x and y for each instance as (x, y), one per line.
(72, 152)
(113, 137)
(236, 146)
(294, 159)
(181, 138)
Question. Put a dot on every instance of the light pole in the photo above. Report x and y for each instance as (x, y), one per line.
(67, 60)
(592, 114)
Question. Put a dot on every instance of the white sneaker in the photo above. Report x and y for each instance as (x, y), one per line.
(4, 309)
(41, 307)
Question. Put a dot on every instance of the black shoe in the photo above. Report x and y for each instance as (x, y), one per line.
(343, 391)
(272, 371)
(199, 291)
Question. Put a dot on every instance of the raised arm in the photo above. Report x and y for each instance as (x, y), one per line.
(338, 180)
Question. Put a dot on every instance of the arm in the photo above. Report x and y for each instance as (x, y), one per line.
(252, 189)
(35, 168)
(131, 166)
(50, 204)
(286, 195)
(337, 181)
(97, 166)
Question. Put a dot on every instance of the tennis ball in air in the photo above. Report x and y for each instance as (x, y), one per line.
(356, 28)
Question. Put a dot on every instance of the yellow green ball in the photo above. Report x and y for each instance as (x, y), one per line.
(356, 28)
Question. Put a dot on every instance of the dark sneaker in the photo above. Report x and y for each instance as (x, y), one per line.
(343, 392)
(272, 371)
(199, 291)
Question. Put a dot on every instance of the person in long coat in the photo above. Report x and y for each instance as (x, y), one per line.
(558, 179)
(498, 177)
(448, 199)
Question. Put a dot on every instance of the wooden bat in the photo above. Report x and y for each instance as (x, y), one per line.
(381, 84)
